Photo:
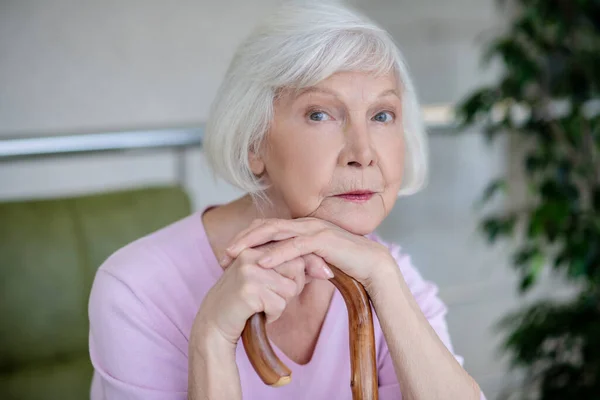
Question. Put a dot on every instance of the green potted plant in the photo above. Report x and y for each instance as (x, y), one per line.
(547, 99)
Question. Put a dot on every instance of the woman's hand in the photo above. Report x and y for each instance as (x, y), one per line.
(246, 288)
(361, 258)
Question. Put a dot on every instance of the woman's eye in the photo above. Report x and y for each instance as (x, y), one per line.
(318, 116)
(384, 116)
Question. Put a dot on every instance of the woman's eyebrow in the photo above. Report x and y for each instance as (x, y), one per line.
(388, 92)
(315, 89)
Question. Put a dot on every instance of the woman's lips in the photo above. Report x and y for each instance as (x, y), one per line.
(358, 197)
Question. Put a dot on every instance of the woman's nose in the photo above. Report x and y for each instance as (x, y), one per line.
(359, 151)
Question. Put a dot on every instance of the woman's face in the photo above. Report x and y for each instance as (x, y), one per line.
(341, 136)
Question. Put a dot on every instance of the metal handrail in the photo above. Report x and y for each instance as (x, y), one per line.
(97, 142)
(437, 119)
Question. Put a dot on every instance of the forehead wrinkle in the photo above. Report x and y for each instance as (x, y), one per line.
(363, 96)
(292, 94)
(315, 89)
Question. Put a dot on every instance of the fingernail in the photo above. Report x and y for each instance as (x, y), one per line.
(224, 260)
(328, 271)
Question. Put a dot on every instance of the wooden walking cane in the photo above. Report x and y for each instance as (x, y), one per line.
(362, 342)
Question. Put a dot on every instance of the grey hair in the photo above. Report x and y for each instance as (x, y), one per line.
(297, 46)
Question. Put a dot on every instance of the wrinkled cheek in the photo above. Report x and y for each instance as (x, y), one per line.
(393, 172)
(302, 195)
(396, 174)
(396, 166)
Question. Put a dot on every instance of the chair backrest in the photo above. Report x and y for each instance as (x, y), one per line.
(49, 253)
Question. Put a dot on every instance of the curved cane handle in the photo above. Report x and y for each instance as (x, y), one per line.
(362, 342)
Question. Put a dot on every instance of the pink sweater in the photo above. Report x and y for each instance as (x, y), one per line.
(143, 303)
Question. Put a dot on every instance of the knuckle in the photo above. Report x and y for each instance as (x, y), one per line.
(256, 305)
(290, 289)
(247, 290)
(307, 261)
(246, 270)
(299, 285)
(298, 266)
(279, 224)
(244, 257)
(316, 223)
(252, 298)
(324, 234)
(285, 286)
(279, 305)
(274, 222)
(299, 243)
(298, 269)
(265, 252)
(283, 269)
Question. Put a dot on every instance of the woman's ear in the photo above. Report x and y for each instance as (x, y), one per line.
(257, 165)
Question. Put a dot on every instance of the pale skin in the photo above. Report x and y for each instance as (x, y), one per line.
(344, 134)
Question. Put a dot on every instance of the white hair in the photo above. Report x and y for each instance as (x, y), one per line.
(297, 46)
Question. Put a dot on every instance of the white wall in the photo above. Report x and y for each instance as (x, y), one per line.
(71, 66)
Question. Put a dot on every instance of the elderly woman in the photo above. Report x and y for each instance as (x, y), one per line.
(318, 122)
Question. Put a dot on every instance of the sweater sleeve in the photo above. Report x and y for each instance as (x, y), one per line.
(132, 359)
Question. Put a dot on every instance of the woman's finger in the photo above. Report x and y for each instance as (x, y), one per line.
(293, 248)
(258, 236)
(253, 225)
(303, 270)
(227, 259)
(274, 281)
(316, 267)
(273, 230)
(273, 305)
(294, 270)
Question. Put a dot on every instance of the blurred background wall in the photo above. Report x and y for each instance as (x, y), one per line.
(71, 66)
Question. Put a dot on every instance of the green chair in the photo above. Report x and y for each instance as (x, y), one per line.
(49, 253)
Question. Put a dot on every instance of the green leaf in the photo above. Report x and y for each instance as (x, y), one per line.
(524, 256)
(496, 186)
(537, 264)
(534, 163)
(561, 259)
(550, 52)
(577, 268)
(480, 102)
(536, 224)
(596, 199)
(530, 261)
(495, 227)
(526, 283)
(517, 58)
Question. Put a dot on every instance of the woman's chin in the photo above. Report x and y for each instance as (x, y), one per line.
(360, 219)
(357, 223)
(360, 230)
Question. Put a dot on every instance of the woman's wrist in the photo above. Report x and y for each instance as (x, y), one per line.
(207, 340)
(213, 371)
(386, 276)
